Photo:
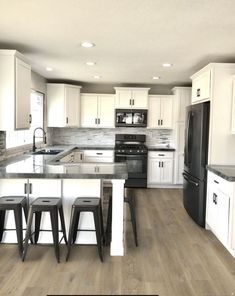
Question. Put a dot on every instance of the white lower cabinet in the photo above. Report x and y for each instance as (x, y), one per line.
(219, 211)
(31, 188)
(160, 168)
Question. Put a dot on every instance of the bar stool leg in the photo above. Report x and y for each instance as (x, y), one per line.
(74, 214)
(25, 208)
(55, 232)
(98, 233)
(102, 225)
(74, 233)
(61, 212)
(28, 233)
(2, 221)
(19, 227)
(38, 216)
(109, 223)
(133, 218)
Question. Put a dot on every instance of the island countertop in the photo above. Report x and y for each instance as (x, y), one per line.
(45, 166)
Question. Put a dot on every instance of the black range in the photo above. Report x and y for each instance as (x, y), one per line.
(131, 149)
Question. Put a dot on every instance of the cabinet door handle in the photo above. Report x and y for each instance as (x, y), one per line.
(95, 120)
(158, 122)
(133, 102)
(162, 164)
(161, 122)
(159, 164)
(30, 188)
(98, 120)
(25, 188)
(198, 92)
(30, 118)
(80, 156)
(215, 198)
(67, 120)
(130, 102)
(216, 182)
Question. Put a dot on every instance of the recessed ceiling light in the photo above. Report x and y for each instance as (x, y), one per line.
(167, 65)
(87, 44)
(90, 63)
(156, 77)
(97, 77)
(49, 69)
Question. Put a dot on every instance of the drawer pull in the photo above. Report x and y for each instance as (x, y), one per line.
(161, 154)
(99, 153)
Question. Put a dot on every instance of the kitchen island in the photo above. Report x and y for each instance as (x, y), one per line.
(41, 176)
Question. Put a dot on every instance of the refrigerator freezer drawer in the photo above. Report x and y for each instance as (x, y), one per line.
(194, 198)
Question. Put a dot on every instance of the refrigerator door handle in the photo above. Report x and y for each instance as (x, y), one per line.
(190, 181)
(186, 140)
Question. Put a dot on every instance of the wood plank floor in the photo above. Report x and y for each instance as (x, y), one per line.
(174, 257)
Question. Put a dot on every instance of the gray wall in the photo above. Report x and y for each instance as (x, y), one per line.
(102, 88)
(105, 136)
(38, 82)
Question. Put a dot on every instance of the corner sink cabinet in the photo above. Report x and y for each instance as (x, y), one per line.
(78, 155)
(220, 213)
(15, 88)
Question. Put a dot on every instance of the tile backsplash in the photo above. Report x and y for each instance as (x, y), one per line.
(105, 136)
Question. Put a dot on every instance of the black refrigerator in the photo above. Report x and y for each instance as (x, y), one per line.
(195, 161)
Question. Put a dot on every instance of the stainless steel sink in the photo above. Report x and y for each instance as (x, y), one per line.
(47, 152)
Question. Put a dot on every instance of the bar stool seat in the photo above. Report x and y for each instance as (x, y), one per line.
(15, 203)
(130, 200)
(53, 205)
(86, 204)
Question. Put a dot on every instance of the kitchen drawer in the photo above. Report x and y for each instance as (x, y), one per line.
(97, 159)
(223, 185)
(98, 153)
(160, 154)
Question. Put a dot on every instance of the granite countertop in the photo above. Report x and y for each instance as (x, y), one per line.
(45, 166)
(226, 172)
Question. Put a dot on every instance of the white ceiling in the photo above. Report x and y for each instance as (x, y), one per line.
(133, 37)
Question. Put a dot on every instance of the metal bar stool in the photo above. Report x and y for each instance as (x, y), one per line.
(53, 206)
(130, 199)
(86, 205)
(15, 203)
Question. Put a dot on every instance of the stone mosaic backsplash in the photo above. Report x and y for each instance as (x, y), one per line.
(105, 136)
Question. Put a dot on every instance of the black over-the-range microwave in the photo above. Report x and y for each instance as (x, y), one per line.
(131, 117)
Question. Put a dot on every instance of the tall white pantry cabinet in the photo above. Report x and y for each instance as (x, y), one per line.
(182, 99)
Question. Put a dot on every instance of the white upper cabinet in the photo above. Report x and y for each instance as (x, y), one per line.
(201, 87)
(15, 88)
(160, 114)
(97, 110)
(134, 98)
(63, 104)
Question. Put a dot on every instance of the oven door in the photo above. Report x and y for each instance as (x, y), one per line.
(136, 167)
